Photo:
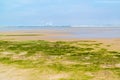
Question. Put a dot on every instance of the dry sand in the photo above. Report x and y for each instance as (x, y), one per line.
(13, 73)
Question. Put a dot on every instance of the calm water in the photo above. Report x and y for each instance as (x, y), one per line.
(78, 32)
(97, 33)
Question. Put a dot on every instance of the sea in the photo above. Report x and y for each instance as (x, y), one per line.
(75, 32)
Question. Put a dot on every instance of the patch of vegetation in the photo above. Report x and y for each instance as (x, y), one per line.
(59, 57)
(108, 45)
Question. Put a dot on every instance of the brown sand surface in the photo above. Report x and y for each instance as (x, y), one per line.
(13, 73)
(55, 35)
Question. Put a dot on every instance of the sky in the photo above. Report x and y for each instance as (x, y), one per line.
(59, 12)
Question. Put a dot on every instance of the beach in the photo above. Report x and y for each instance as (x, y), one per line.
(59, 39)
(69, 33)
(62, 35)
(65, 54)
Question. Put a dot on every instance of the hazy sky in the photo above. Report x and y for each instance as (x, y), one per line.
(59, 12)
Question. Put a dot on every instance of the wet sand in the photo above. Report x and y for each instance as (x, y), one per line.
(55, 35)
(49, 35)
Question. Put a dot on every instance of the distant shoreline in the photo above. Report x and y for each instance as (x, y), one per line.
(20, 28)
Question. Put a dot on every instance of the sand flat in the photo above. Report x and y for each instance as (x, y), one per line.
(53, 35)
